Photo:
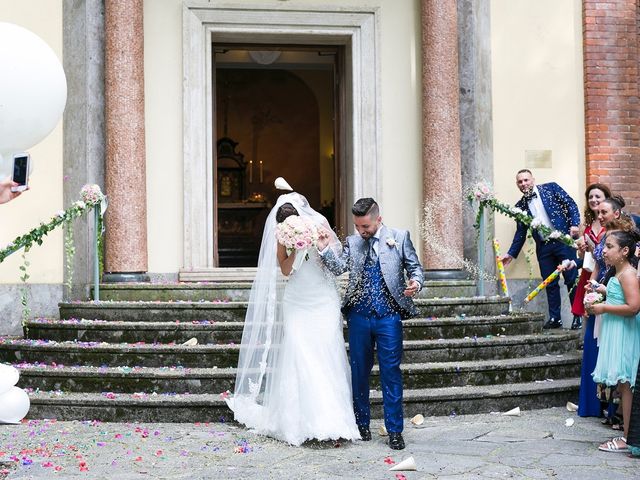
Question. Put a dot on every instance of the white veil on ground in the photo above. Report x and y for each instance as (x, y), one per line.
(263, 328)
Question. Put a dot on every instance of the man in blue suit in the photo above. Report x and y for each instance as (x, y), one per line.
(378, 297)
(553, 207)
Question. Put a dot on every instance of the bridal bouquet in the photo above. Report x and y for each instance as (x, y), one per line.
(297, 234)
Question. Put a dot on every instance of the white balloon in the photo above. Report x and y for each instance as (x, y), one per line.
(33, 90)
(14, 405)
(8, 377)
(5, 165)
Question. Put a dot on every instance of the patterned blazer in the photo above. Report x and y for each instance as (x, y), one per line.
(396, 255)
(560, 207)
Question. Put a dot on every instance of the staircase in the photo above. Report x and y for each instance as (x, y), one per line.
(123, 359)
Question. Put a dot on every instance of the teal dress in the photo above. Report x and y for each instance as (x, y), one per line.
(619, 343)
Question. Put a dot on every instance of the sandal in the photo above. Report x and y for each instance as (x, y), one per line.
(614, 445)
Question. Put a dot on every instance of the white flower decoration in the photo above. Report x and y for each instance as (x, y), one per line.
(391, 242)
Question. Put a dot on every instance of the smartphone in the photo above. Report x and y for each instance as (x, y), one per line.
(594, 284)
(21, 171)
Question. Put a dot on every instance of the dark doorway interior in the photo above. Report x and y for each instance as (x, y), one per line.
(275, 117)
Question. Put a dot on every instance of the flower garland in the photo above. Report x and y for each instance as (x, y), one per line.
(24, 291)
(485, 197)
(90, 197)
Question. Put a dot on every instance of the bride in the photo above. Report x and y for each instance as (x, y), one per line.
(293, 377)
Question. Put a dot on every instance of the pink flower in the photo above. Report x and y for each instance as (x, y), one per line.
(592, 298)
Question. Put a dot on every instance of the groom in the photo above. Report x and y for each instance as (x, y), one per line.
(377, 298)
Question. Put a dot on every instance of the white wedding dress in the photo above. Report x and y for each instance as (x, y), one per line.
(294, 381)
(312, 387)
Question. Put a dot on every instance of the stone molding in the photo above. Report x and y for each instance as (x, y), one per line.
(205, 22)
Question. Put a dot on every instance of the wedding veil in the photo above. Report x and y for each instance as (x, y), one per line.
(263, 327)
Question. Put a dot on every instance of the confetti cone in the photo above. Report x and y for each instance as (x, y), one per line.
(514, 412)
(281, 184)
(408, 464)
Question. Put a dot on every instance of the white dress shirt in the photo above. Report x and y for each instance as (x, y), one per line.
(537, 209)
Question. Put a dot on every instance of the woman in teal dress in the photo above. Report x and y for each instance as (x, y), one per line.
(619, 352)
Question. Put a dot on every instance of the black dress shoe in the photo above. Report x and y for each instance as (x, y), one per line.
(552, 323)
(396, 442)
(577, 323)
(365, 433)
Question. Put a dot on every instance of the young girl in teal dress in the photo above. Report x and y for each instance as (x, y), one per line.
(620, 332)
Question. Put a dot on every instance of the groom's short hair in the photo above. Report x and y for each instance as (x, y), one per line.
(366, 206)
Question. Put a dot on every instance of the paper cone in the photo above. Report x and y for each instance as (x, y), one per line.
(281, 184)
(418, 419)
(514, 412)
(382, 431)
(572, 407)
(192, 342)
(408, 464)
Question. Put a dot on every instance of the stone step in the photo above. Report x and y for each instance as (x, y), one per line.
(216, 380)
(160, 311)
(144, 407)
(208, 332)
(239, 290)
(489, 347)
(226, 355)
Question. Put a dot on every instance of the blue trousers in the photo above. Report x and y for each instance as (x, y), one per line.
(385, 334)
(550, 255)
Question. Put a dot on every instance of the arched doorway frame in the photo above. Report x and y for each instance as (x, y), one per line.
(205, 22)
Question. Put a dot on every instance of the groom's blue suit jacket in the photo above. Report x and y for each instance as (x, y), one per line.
(396, 255)
(562, 210)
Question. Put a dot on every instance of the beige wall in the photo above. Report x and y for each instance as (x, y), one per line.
(537, 104)
(44, 18)
(401, 125)
(537, 100)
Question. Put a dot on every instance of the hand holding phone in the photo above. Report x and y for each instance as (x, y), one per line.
(21, 164)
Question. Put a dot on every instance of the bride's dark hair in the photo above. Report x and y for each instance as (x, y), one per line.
(285, 210)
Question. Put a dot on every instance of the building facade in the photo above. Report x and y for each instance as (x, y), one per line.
(409, 102)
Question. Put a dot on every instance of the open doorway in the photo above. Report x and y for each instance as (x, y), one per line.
(276, 114)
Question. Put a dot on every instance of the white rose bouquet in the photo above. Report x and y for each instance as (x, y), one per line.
(297, 234)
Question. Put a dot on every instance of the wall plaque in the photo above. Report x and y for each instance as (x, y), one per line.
(537, 158)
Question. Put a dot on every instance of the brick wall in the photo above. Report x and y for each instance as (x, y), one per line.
(612, 108)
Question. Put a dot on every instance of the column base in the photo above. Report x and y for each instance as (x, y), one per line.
(446, 275)
(128, 277)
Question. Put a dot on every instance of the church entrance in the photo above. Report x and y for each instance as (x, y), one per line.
(276, 114)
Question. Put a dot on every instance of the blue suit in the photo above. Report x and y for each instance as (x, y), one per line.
(563, 214)
(374, 304)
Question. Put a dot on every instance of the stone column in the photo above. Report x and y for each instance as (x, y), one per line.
(125, 176)
(83, 123)
(442, 177)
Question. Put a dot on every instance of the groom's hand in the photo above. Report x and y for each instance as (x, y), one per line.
(412, 288)
(323, 239)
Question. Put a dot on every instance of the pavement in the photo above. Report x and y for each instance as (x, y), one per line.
(536, 445)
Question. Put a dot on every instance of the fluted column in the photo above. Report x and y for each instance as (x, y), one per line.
(442, 176)
(125, 176)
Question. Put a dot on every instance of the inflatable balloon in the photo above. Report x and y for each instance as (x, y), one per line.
(33, 91)
(8, 377)
(14, 405)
